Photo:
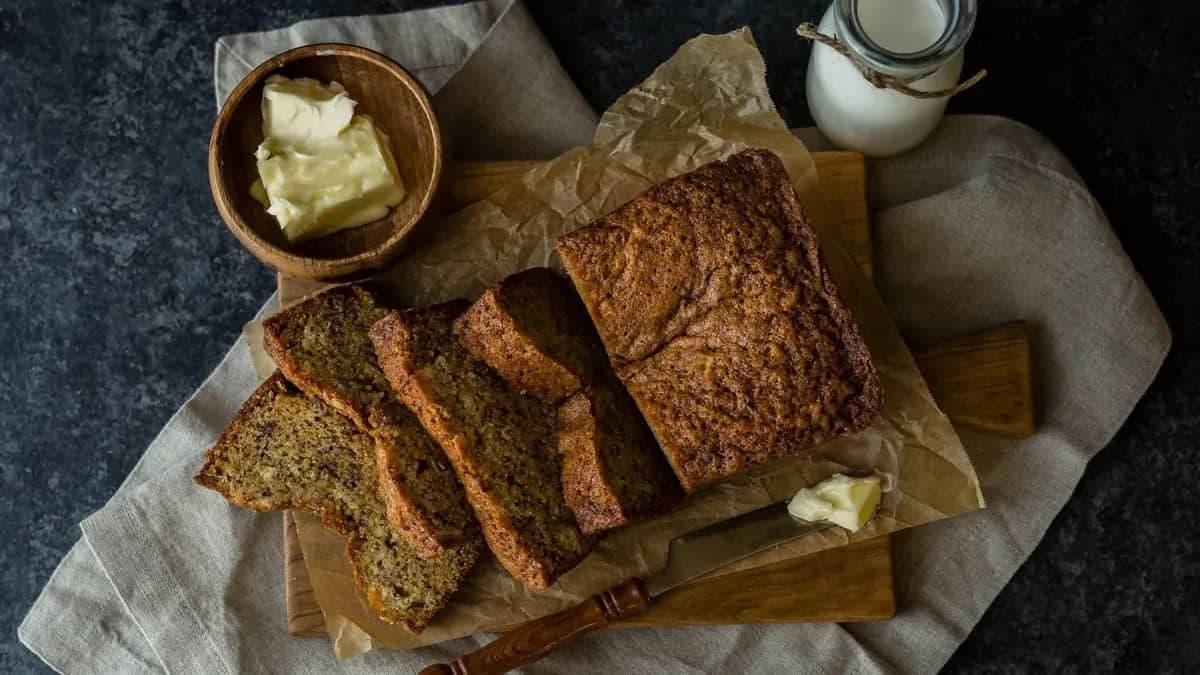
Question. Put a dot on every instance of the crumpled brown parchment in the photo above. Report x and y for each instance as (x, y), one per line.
(706, 102)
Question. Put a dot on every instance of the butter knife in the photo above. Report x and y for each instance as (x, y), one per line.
(689, 556)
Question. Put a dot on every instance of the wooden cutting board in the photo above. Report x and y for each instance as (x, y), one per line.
(981, 380)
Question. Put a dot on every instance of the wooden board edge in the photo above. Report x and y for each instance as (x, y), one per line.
(984, 380)
(304, 615)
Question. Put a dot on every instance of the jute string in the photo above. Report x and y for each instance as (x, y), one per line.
(881, 80)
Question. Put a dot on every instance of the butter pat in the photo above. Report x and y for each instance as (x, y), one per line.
(321, 167)
(844, 501)
(303, 113)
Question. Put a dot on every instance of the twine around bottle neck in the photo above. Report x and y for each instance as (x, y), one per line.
(882, 80)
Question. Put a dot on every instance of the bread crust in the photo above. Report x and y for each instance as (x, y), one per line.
(533, 330)
(613, 471)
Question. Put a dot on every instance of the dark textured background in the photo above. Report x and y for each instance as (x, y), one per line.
(120, 289)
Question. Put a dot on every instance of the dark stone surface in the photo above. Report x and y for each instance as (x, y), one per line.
(120, 290)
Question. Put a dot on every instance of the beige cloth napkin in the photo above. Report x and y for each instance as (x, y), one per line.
(984, 223)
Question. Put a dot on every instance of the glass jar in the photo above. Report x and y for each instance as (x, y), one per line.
(919, 40)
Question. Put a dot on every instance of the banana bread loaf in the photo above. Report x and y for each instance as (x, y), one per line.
(321, 345)
(719, 315)
(287, 450)
(533, 330)
(501, 442)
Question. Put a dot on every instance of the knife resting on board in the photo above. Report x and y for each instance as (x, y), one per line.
(689, 556)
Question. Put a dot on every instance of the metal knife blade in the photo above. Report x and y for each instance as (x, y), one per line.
(704, 550)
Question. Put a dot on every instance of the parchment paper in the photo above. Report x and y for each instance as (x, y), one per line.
(708, 101)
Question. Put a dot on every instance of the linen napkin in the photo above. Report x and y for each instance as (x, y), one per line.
(984, 223)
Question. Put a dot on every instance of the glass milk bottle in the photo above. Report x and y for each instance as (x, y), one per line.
(918, 42)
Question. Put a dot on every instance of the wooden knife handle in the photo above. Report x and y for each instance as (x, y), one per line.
(531, 641)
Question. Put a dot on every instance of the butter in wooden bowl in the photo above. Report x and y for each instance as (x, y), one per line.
(327, 246)
(321, 167)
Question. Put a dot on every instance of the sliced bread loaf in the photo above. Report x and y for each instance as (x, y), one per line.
(500, 441)
(321, 345)
(534, 331)
(287, 450)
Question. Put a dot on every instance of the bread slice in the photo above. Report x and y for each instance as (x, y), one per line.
(321, 345)
(722, 320)
(287, 450)
(500, 441)
(533, 330)
(613, 471)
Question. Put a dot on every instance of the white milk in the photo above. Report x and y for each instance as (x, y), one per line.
(855, 114)
(902, 26)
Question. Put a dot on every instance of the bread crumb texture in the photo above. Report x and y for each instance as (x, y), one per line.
(501, 441)
(287, 450)
(322, 346)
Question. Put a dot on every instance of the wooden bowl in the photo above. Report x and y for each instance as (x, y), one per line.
(399, 106)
